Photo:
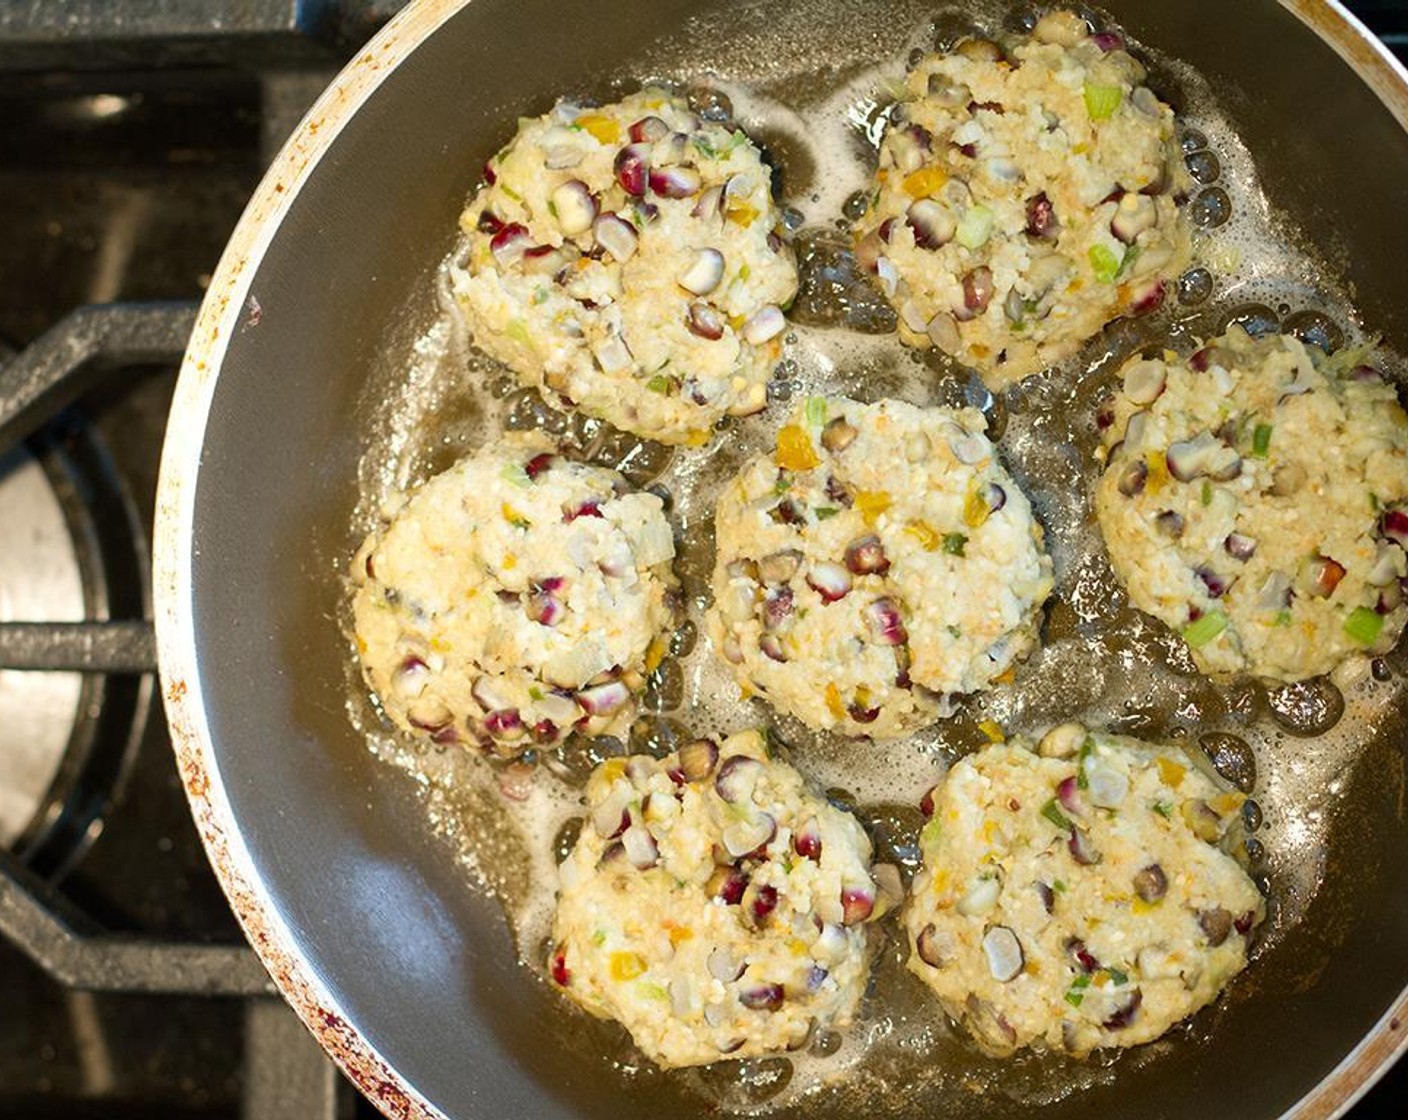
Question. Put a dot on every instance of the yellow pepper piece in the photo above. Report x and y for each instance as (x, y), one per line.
(834, 703)
(794, 449)
(656, 654)
(1171, 772)
(742, 214)
(993, 730)
(605, 129)
(612, 769)
(626, 966)
(1227, 803)
(925, 534)
(975, 508)
(680, 934)
(872, 503)
(1158, 472)
(924, 182)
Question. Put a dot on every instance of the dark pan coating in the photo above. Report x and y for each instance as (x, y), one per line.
(414, 959)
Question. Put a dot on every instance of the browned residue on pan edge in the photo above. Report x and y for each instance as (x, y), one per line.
(1382, 73)
(1358, 1072)
(370, 1074)
(220, 312)
(218, 321)
(1369, 59)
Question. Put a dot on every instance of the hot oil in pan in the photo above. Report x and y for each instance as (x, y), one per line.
(1101, 662)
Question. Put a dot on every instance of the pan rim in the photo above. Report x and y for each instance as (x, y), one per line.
(292, 971)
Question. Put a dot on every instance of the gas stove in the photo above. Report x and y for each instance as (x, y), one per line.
(131, 135)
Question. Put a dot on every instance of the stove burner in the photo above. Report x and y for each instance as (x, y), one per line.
(74, 603)
(74, 598)
(132, 136)
(39, 579)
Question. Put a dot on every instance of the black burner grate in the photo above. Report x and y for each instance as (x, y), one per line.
(130, 137)
(284, 1074)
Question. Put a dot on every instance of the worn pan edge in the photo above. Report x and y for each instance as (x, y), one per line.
(220, 314)
(1377, 66)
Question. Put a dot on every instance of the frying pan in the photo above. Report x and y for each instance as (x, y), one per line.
(403, 970)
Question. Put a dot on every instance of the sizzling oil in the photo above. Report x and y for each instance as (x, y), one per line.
(1101, 662)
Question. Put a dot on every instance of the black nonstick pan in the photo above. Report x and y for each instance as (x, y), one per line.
(395, 958)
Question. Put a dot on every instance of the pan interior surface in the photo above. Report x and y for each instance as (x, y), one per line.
(416, 958)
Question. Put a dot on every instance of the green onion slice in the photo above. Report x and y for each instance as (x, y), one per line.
(975, 228)
(1052, 812)
(1102, 101)
(1105, 263)
(1364, 625)
(1200, 633)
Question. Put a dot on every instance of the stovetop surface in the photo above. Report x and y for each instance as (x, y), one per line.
(120, 181)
